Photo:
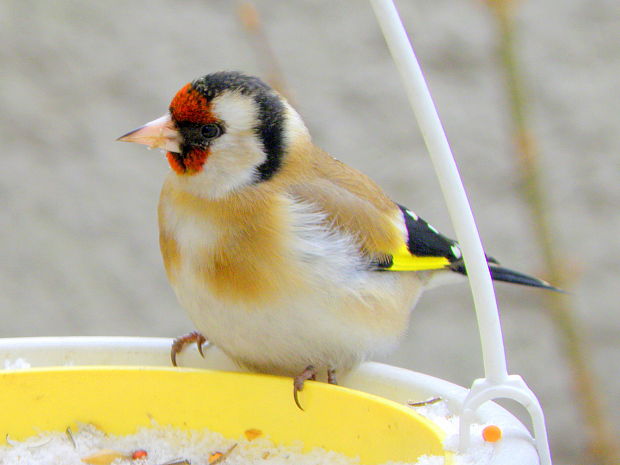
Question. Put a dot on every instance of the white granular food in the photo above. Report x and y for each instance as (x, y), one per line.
(479, 451)
(16, 364)
(168, 445)
(164, 445)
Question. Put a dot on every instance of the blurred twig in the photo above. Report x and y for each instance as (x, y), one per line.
(602, 447)
(267, 61)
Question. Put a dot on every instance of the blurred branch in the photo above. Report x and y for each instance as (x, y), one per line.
(601, 442)
(267, 61)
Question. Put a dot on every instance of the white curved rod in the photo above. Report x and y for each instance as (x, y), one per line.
(497, 381)
(451, 185)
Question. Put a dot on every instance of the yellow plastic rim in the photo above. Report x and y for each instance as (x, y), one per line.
(119, 400)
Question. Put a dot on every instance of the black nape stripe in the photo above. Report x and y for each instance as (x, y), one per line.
(271, 111)
(271, 132)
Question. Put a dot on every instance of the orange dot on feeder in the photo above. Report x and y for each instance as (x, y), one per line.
(492, 433)
(139, 454)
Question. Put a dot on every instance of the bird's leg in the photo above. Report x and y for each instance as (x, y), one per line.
(180, 342)
(331, 376)
(298, 383)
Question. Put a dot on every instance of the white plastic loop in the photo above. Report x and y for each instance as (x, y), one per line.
(497, 383)
(513, 387)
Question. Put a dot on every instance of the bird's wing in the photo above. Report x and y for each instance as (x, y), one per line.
(392, 236)
(395, 239)
(424, 244)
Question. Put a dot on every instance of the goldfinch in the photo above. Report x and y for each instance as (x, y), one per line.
(287, 259)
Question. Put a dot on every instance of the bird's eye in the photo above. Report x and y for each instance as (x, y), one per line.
(211, 131)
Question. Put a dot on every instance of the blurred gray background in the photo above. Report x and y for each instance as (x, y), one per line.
(78, 232)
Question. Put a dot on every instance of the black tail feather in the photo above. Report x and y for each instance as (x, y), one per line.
(499, 273)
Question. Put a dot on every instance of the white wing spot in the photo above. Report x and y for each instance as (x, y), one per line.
(456, 251)
(412, 215)
(432, 228)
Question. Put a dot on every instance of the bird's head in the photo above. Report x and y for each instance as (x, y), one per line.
(223, 131)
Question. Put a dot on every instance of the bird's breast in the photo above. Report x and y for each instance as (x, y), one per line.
(244, 257)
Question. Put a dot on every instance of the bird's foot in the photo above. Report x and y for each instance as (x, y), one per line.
(309, 374)
(298, 382)
(180, 342)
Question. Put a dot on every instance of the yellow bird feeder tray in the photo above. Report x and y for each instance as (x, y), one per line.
(120, 384)
(119, 400)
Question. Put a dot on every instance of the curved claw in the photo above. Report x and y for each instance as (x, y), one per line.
(296, 399)
(179, 344)
(173, 355)
(202, 341)
(298, 382)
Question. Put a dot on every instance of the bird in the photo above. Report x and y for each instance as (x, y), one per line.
(290, 261)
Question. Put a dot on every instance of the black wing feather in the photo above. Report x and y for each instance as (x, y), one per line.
(424, 241)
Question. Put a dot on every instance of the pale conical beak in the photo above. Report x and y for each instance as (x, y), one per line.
(160, 133)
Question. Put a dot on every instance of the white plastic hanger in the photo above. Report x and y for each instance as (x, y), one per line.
(497, 382)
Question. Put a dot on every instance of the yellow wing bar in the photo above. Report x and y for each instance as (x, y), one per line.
(403, 260)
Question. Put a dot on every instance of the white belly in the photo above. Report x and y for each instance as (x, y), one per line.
(339, 317)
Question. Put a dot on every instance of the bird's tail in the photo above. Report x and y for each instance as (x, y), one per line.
(499, 273)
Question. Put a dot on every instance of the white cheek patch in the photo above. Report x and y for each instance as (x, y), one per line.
(238, 111)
